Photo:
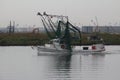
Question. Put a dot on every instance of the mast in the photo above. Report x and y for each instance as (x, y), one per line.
(62, 31)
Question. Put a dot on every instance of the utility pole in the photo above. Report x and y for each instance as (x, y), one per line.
(10, 28)
(13, 27)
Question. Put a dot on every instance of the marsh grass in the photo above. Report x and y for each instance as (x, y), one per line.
(25, 39)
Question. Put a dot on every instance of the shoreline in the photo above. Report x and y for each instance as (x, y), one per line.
(34, 39)
(43, 45)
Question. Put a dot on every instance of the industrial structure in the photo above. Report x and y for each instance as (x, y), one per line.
(102, 29)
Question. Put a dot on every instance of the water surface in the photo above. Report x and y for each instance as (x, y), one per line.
(22, 63)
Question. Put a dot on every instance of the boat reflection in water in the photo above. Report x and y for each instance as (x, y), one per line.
(62, 67)
(74, 67)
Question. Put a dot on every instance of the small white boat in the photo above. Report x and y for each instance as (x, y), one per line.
(95, 48)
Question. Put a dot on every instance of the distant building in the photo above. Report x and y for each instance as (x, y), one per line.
(102, 29)
(87, 29)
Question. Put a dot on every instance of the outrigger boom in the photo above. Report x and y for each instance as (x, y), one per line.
(63, 34)
(61, 30)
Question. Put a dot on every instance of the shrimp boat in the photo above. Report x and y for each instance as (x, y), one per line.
(54, 47)
(62, 35)
(58, 48)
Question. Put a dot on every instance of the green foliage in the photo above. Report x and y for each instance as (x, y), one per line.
(41, 39)
(22, 39)
(109, 39)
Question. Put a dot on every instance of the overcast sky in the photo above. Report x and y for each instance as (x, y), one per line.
(23, 12)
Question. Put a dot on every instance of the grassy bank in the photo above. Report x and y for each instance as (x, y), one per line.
(22, 39)
(109, 39)
(19, 39)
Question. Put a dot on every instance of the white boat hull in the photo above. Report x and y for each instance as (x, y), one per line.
(51, 50)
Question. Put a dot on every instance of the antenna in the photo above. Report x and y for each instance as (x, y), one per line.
(96, 24)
